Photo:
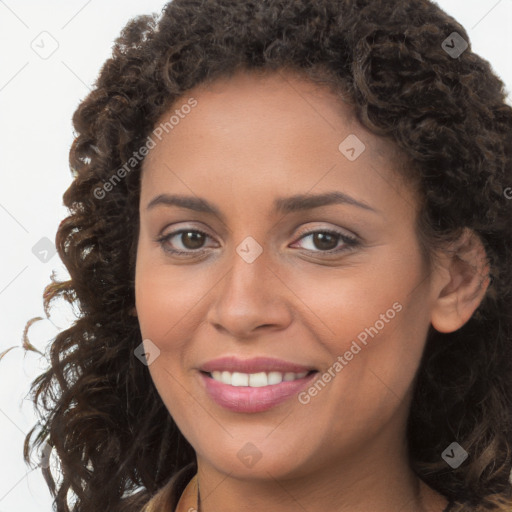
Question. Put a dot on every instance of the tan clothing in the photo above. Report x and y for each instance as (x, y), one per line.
(188, 500)
(173, 497)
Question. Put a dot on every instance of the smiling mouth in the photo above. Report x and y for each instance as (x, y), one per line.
(253, 392)
(256, 380)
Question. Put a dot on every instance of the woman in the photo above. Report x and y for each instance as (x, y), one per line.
(288, 242)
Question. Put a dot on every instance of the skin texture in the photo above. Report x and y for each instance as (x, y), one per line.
(249, 140)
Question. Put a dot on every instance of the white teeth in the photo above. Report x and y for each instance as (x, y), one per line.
(255, 380)
(274, 378)
(239, 379)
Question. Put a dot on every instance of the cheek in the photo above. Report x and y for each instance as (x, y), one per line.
(167, 298)
(358, 302)
(375, 316)
(165, 306)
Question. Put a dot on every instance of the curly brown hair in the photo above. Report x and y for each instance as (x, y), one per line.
(446, 113)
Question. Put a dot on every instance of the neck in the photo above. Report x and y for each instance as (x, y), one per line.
(356, 485)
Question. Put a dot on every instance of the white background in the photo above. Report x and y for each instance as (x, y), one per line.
(37, 99)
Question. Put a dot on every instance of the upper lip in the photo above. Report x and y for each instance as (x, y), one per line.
(254, 365)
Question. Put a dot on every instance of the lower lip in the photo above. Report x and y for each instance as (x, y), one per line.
(248, 399)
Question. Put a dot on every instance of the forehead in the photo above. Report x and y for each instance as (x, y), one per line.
(283, 93)
(246, 126)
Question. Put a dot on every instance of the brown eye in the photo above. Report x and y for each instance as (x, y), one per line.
(325, 241)
(192, 239)
(183, 241)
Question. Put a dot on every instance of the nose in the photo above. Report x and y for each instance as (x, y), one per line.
(249, 299)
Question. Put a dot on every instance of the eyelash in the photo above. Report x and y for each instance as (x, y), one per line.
(349, 241)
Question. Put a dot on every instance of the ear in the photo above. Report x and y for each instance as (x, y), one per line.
(461, 282)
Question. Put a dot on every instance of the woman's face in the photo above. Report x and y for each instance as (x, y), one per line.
(273, 269)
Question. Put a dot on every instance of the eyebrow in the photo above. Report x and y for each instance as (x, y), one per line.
(290, 204)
